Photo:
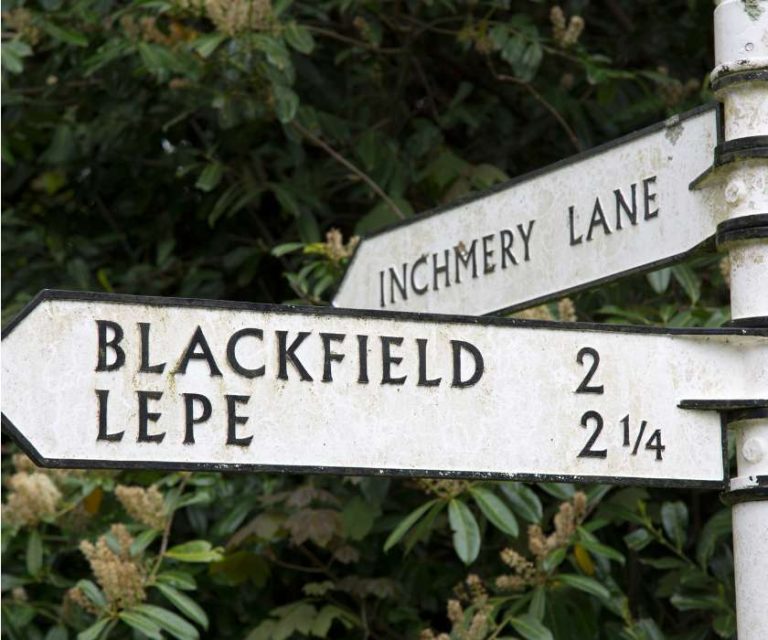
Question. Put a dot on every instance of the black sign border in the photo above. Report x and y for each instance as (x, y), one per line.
(193, 303)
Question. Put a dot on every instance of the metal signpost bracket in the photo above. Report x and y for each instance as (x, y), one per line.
(740, 82)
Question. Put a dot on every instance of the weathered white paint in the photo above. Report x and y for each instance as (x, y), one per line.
(522, 418)
(740, 36)
(749, 278)
(562, 255)
(741, 58)
(750, 530)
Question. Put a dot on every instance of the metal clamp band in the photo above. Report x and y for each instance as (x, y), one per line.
(742, 228)
(738, 77)
(747, 494)
(741, 149)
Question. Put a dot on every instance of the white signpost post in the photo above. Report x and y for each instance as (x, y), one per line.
(93, 380)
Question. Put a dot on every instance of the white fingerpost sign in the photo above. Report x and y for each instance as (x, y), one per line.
(95, 380)
(627, 206)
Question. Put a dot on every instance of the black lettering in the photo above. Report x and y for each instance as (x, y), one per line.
(189, 414)
(117, 336)
(526, 236)
(145, 416)
(458, 346)
(463, 256)
(437, 270)
(649, 197)
(588, 451)
(598, 218)
(419, 291)
(362, 351)
(145, 366)
(329, 356)
(488, 267)
(421, 343)
(285, 353)
(585, 387)
(381, 289)
(233, 420)
(574, 240)
(232, 353)
(387, 360)
(622, 204)
(102, 394)
(507, 237)
(191, 353)
(402, 286)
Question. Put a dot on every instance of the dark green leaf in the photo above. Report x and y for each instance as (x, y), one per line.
(210, 176)
(530, 628)
(195, 551)
(688, 280)
(177, 579)
(538, 606)
(724, 624)
(422, 528)
(524, 501)
(648, 629)
(553, 559)
(638, 539)
(582, 583)
(692, 602)
(466, 533)
(92, 592)
(591, 544)
(34, 553)
(659, 279)
(94, 631)
(141, 623)
(674, 518)
(286, 102)
(67, 36)
(185, 604)
(560, 490)
(59, 632)
(299, 37)
(274, 49)
(168, 621)
(206, 44)
(405, 524)
(358, 516)
(717, 527)
(142, 541)
(288, 247)
(495, 510)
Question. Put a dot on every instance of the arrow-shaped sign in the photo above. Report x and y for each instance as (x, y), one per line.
(95, 380)
(624, 207)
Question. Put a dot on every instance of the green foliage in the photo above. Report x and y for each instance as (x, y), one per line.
(232, 150)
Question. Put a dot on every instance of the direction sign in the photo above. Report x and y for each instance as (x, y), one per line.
(622, 207)
(96, 380)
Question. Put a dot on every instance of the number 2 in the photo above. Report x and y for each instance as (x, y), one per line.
(588, 451)
(585, 387)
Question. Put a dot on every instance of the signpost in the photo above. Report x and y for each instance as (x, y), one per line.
(94, 380)
(624, 207)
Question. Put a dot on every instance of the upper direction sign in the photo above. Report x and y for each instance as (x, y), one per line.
(622, 207)
(93, 380)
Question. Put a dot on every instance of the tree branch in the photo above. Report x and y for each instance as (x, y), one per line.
(346, 163)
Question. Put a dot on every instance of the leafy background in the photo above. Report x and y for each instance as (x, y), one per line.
(232, 149)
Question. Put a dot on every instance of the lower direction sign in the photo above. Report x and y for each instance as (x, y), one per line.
(95, 380)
